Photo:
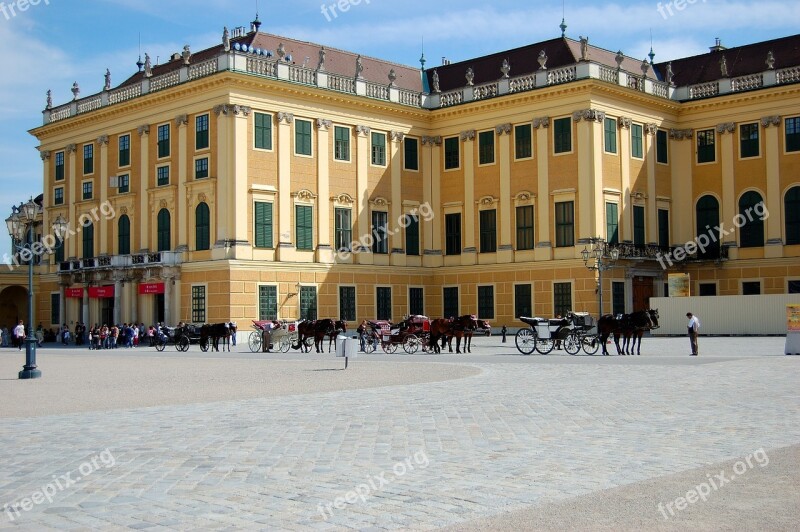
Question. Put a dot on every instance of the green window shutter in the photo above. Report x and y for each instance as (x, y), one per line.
(304, 226)
(263, 224)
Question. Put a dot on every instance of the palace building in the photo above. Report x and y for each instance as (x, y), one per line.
(271, 178)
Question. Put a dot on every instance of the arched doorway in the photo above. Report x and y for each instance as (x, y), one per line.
(13, 306)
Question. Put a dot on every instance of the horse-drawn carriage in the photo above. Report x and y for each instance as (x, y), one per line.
(284, 336)
(412, 333)
(181, 337)
(576, 331)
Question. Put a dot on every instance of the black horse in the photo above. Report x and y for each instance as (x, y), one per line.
(214, 332)
(318, 330)
(339, 327)
(628, 326)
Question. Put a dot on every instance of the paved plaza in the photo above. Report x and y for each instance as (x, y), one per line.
(492, 440)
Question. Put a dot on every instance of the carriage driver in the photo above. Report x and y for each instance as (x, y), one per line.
(266, 336)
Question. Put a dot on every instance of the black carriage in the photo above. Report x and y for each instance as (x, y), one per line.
(576, 331)
(181, 337)
(412, 333)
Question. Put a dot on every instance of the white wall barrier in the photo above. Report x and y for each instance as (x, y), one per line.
(724, 315)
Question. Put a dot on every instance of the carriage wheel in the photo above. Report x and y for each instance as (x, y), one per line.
(182, 344)
(370, 344)
(545, 345)
(572, 343)
(284, 344)
(591, 344)
(204, 345)
(389, 347)
(254, 341)
(161, 344)
(411, 344)
(526, 341)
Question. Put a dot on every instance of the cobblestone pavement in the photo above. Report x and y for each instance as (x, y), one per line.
(531, 431)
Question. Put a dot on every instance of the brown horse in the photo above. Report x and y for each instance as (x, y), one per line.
(452, 327)
(318, 330)
(214, 332)
(339, 327)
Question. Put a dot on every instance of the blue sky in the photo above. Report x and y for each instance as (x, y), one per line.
(57, 42)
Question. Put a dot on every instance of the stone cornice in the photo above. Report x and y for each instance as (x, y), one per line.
(590, 115)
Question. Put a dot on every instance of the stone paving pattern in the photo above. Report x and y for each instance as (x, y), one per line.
(515, 435)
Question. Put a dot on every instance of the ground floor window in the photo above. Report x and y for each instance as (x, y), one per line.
(450, 295)
(198, 304)
(523, 305)
(708, 289)
(617, 297)
(268, 302)
(383, 302)
(347, 303)
(562, 298)
(486, 302)
(308, 302)
(416, 301)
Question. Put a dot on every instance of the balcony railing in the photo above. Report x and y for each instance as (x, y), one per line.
(667, 255)
(115, 262)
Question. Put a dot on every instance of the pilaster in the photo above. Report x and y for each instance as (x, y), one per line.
(101, 237)
(46, 199)
(590, 172)
(727, 157)
(431, 194)
(681, 152)
(626, 208)
(505, 250)
(74, 189)
(285, 232)
(143, 219)
(469, 253)
(362, 134)
(544, 247)
(181, 215)
(325, 252)
(396, 241)
(774, 239)
(651, 230)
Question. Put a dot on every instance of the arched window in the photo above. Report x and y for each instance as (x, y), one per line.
(163, 230)
(124, 235)
(751, 233)
(202, 221)
(88, 240)
(791, 213)
(707, 221)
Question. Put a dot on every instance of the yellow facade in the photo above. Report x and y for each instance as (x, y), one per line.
(223, 282)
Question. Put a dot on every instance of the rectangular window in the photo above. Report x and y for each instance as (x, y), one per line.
(55, 308)
(87, 190)
(416, 301)
(638, 226)
(304, 226)
(451, 153)
(751, 288)
(124, 184)
(488, 231)
(452, 230)
(59, 166)
(58, 196)
(308, 302)
(562, 135)
(198, 304)
(59, 251)
(663, 228)
(263, 224)
(347, 303)
(792, 126)
(612, 223)
(662, 147)
(708, 289)
(343, 229)
(617, 297)
(124, 150)
(794, 287)
(263, 131)
(565, 224)
(201, 132)
(523, 302)
(302, 137)
(162, 176)
(562, 298)
(450, 295)
(163, 141)
(201, 168)
(523, 141)
(341, 143)
(610, 135)
(88, 159)
(268, 302)
(412, 234)
(525, 227)
(380, 243)
(486, 147)
(410, 154)
(379, 149)
(706, 146)
(486, 302)
(748, 138)
(383, 302)
(637, 149)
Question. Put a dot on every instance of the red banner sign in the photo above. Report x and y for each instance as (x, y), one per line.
(73, 292)
(151, 288)
(99, 292)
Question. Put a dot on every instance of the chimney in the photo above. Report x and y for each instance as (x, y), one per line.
(717, 46)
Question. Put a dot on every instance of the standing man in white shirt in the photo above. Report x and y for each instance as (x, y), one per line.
(19, 334)
(693, 329)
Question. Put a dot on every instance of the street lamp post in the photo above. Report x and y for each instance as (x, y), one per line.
(21, 226)
(600, 258)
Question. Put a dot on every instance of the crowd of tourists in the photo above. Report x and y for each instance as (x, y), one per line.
(127, 335)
